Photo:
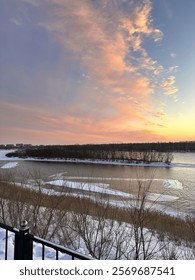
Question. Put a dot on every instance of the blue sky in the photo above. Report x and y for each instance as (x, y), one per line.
(96, 71)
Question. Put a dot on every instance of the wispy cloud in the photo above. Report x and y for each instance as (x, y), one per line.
(168, 85)
(173, 55)
(103, 81)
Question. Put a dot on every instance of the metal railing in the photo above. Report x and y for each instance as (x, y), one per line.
(24, 243)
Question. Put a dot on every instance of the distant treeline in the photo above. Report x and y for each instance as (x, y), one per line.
(139, 152)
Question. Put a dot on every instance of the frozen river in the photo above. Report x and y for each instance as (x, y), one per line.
(173, 187)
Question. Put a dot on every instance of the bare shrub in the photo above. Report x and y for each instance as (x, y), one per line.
(89, 221)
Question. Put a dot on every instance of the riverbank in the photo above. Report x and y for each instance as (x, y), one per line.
(80, 216)
(3, 157)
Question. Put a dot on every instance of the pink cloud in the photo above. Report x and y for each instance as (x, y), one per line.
(160, 114)
(168, 85)
(101, 44)
(112, 100)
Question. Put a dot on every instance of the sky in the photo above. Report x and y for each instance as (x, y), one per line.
(97, 71)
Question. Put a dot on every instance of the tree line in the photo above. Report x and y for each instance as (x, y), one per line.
(130, 152)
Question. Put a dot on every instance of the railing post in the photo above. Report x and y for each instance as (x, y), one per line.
(23, 243)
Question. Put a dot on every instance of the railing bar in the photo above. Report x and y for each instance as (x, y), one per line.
(57, 248)
(6, 243)
(9, 228)
(33, 251)
(60, 248)
(43, 251)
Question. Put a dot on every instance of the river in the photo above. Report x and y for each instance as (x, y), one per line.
(173, 187)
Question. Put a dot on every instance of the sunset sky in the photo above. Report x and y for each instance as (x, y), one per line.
(97, 71)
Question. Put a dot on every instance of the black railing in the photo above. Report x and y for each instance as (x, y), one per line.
(24, 242)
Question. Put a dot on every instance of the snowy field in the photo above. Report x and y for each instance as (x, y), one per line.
(122, 236)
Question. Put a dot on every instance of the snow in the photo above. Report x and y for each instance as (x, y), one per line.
(90, 161)
(167, 183)
(50, 254)
(183, 165)
(97, 161)
(4, 157)
(174, 184)
(122, 234)
(118, 162)
(129, 200)
(106, 178)
(10, 252)
(98, 187)
(9, 165)
(160, 197)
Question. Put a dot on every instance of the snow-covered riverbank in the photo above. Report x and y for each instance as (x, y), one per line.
(3, 157)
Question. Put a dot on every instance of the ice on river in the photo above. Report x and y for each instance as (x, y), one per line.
(9, 165)
(98, 187)
(160, 197)
(174, 184)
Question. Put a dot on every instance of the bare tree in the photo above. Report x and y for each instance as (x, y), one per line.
(146, 243)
